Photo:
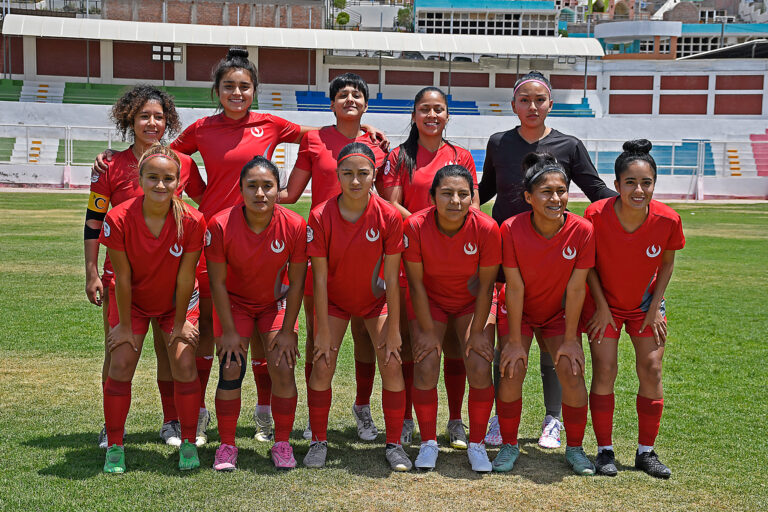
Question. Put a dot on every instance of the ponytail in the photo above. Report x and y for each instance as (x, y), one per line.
(179, 207)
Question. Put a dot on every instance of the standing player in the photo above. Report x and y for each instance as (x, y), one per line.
(452, 257)
(547, 254)
(353, 239)
(318, 153)
(636, 241)
(249, 295)
(503, 177)
(144, 114)
(406, 182)
(154, 242)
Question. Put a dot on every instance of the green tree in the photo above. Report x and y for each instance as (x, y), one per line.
(405, 17)
(342, 19)
(340, 4)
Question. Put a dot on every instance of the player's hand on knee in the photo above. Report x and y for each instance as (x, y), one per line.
(571, 350)
(513, 361)
(287, 346)
(599, 322)
(481, 345)
(119, 335)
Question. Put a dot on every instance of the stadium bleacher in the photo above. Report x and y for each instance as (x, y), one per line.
(678, 159)
(6, 148)
(107, 94)
(10, 90)
(759, 142)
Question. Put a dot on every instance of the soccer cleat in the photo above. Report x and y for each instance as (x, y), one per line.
(226, 458)
(263, 426)
(456, 434)
(650, 463)
(550, 433)
(315, 457)
(114, 462)
(366, 430)
(397, 458)
(170, 433)
(578, 460)
(506, 458)
(282, 455)
(478, 458)
(103, 437)
(605, 463)
(406, 437)
(427, 456)
(202, 425)
(307, 434)
(493, 437)
(188, 458)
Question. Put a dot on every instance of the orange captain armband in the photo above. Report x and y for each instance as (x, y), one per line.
(98, 203)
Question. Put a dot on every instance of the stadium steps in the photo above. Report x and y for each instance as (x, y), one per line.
(317, 101)
(34, 150)
(107, 94)
(42, 92)
(759, 143)
(6, 148)
(275, 99)
(10, 90)
(734, 159)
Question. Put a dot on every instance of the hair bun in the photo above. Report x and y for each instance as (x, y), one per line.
(237, 52)
(532, 159)
(638, 146)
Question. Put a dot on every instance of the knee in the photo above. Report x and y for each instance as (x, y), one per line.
(649, 370)
(322, 374)
(604, 372)
(478, 371)
(281, 376)
(121, 368)
(566, 377)
(427, 371)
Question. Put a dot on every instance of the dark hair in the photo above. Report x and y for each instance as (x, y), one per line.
(346, 79)
(533, 75)
(408, 149)
(452, 171)
(638, 149)
(357, 147)
(237, 58)
(537, 165)
(264, 163)
(128, 106)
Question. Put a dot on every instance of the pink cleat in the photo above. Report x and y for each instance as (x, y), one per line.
(226, 458)
(282, 455)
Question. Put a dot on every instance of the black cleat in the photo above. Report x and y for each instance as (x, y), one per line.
(650, 463)
(605, 463)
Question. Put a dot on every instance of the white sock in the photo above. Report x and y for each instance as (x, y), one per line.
(641, 448)
(261, 409)
(601, 448)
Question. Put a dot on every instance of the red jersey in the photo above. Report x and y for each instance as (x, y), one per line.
(416, 190)
(627, 262)
(355, 250)
(546, 265)
(318, 153)
(226, 145)
(154, 261)
(256, 263)
(451, 262)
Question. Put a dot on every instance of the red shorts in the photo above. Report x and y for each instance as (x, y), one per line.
(140, 322)
(107, 279)
(439, 314)
(267, 318)
(201, 274)
(553, 327)
(377, 310)
(631, 321)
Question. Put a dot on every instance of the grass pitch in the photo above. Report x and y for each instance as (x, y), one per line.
(713, 433)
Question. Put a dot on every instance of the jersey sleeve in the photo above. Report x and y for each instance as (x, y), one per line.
(411, 241)
(214, 242)
(112, 233)
(586, 255)
(584, 174)
(304, 160)
(317, 243)
(186, 142)
(194, 234)
(299, 254)
(490, 253)
(676, 239)
(393, 238)
(195, 187)
(391, 176)
(289, 131)
(469, 163)
(98, 201)
(508, 254)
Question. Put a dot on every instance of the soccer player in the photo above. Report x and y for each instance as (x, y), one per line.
(316, 161)
(154, 242)
(547, 254)
(354, 239)
(253, 247)
(406, 182)
(503, 177)
(452, 257)
(636, 239)
(145, 115)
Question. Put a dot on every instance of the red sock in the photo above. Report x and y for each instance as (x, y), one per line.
(203, 372)
(167, 400)
(509, 419)
(601, 407)
(307, 372)
(393, 403)
(455, 376)
(319, 406)
(480, 403)
(227, 412)
(648, 419)
(187, 397)
(117, 401)
(283, 412)
(263, 382)
(408, 378)
(364, 375)
(575, 420)
(425, 404)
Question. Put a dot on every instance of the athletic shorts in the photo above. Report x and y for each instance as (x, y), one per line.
(553, 327)
(439, 314)
(631, 321)
(377, 310)
(266, 318)
(140, 322)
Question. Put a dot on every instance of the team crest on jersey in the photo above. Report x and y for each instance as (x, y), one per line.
(470, 249)
(277, 246)
(310, 234)
(405, 240)
(176, 250)
(387, 167)
(569, 253)
(107, 230)
(653, 250)
(207, 237)
(257, 132)
(371, 235)
(95, 176)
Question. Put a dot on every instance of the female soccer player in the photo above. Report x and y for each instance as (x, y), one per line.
(547, 254)
(250, 295)
(154, 242)
(318, 153)
(636, 241)
(406, 182)
(452, 257)
(353, 239)
(145, 115)
(503, 177)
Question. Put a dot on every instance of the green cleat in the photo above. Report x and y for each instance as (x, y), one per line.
(506, 458)
(114, 462)
(577, 459)
(188, 458)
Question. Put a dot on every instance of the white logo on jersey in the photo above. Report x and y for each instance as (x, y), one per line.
(387, 167)
(470, 249)
(372, 235)
(653, 250)
(107, 229)
(405, 240)
(176, 250)
(277, 246)
(310, 234)
(95, 176)
(207, 238)
(503, 309)
(257, 132)
(569, 253)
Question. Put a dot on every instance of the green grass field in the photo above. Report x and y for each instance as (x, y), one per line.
(713, 433)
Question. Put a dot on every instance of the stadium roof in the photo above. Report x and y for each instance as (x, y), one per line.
(755, 49)
(98, 29)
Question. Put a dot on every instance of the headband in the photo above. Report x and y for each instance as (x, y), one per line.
(357, 154)
(539, 80)
(546, 169)
(163, 155)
